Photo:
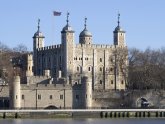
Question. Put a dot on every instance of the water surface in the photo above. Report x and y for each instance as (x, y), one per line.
(85, 121)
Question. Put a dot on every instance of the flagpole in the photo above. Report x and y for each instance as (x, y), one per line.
(53, 30)
(55, 13)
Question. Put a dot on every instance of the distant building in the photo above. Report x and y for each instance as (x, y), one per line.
(66, 75)
(4, 94)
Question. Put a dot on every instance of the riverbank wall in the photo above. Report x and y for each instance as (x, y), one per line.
(82, 113)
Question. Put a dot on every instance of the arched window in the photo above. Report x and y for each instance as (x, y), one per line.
(89, 68)
(111, 81)
(100, 81)
(111, 69)
(100, 59)
(78, 69)
(101, 69)
(111, 60)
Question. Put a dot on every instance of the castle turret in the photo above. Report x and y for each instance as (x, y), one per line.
(119, 35)
(29, 67)
(38, 38)
(67, 35)
(16, 95)
(87, 91)
(85, 36)
(38, 42)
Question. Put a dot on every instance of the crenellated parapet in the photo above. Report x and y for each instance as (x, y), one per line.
(95, 46)
(53, 47)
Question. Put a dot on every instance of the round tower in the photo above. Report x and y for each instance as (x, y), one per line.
(16, 94)
(87, 90)
(85, 36)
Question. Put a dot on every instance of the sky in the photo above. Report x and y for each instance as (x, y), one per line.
(143, 21)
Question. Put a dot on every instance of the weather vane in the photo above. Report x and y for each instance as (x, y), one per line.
(85, 22)
(67, 18)
(118, 19)
(38, 24)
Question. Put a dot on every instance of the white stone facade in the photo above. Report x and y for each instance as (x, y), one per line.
(65, 75)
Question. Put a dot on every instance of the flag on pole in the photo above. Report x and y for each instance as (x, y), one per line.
(55, 13)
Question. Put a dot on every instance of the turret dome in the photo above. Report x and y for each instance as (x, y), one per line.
(118, 28)
(85, 33)
(67, 28)
(38, 33)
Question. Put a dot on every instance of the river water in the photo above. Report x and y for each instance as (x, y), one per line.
(85, 121)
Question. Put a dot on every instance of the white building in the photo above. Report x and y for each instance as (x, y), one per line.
(67, 74)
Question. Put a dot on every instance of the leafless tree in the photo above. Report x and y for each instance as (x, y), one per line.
(120, 62)
(21, 48)
(6, 55)
(146, 69)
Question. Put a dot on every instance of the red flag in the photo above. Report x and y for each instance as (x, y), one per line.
(55, 13)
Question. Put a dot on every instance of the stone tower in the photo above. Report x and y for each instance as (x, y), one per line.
(29, 68)
(119, 35)
(67, 38)
(85, 36)
(38, 42)
(16, 99)
(87, 91)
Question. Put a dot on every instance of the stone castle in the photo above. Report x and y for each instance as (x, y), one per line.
(67, 75)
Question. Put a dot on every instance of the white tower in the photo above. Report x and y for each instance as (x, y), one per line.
(16, 96)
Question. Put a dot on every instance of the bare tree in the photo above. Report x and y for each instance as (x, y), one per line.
(146, 68)
(121, 63)
(21, 48)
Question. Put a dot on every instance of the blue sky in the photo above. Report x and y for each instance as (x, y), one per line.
(143, 21)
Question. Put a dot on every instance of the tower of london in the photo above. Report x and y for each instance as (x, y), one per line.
(67, 75)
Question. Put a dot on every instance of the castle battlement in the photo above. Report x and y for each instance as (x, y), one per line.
(46, 86)
(102, 46)
(94, 46)
(29, 55)
(52, 47)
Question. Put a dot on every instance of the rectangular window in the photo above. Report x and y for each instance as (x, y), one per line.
(61, 96)
(23, 97)
(78, 69)
(122, 82)
(77, 97)
(16, 97)
(39, 96)
(60, 59)
(51, 97)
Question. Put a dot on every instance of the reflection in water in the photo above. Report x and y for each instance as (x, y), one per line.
(85, 121)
